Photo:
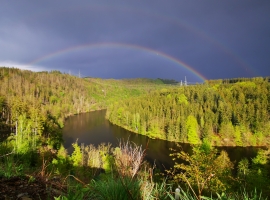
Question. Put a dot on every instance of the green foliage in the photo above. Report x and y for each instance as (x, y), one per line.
(243, 168)
(247, 84)
(227, 131)
(183, 99)
(252, 195)
(242, 195)
(76, 156)
(53, 99)
(61, 162)
(238, 136)
(10, 168)
(258, 177)
(228, 112)
(107, 162)
(258, 137)
(206, 146)
(35, 105)
(77, 192)
(204, 170)
(186, 195)
(121, 188)
(161, 190)
(192, 130)
(261, 158)
(255, 174)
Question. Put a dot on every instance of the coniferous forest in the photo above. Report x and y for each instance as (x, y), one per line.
(43, 100)
(34, 163)
(223, 112)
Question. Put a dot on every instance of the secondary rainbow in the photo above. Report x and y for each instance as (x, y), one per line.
(172, 20)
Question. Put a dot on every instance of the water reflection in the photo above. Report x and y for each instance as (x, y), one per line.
(93, 128)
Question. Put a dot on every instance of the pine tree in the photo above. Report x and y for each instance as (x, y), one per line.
(192, 130)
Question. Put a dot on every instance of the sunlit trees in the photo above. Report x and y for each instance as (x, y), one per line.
(205, 170)
(192, 130)
(230, 112)
(255, 174)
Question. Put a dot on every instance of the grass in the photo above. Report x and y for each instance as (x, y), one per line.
(128, 176)
(116, 189)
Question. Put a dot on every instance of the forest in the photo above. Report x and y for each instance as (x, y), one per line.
(47, 98)
(35, 165)
(224, 112)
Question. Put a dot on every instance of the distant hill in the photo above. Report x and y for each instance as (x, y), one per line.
(168, 81)
(223, 112)
(61, 95)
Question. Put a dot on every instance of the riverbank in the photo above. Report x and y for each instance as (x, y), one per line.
(86, 179)
(93, 128)
(215, 141)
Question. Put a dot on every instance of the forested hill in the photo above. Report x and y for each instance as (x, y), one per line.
(225, 112)
(47, 98)
(231, 112)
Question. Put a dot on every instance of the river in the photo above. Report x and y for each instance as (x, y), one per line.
(93, 128)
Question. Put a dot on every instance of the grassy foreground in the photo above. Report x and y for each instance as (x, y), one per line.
(120, 173)
(34, 164)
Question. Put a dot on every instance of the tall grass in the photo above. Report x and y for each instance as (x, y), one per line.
(10, 168)
(116, 189)
(127, 176)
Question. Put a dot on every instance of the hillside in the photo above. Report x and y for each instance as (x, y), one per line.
(224, 112)
(34, 163)
(53, 96)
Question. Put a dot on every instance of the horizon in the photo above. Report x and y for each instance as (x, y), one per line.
(171, 40)
(123, 78)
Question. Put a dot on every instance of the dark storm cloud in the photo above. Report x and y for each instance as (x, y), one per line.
(219, 39)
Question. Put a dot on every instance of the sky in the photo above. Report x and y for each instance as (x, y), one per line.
(170, 39)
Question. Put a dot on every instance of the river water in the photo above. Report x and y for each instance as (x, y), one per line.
(93, 128)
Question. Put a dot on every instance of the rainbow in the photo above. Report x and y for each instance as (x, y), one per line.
(172, 20)
(118, 45)
(210, 39)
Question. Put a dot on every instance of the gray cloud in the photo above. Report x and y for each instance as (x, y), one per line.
(219, 39)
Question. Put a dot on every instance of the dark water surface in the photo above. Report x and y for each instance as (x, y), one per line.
(93, 128)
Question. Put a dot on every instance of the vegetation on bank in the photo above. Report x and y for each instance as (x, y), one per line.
(223, 112)
(55, 96)
(33, 107)
(121, 173)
